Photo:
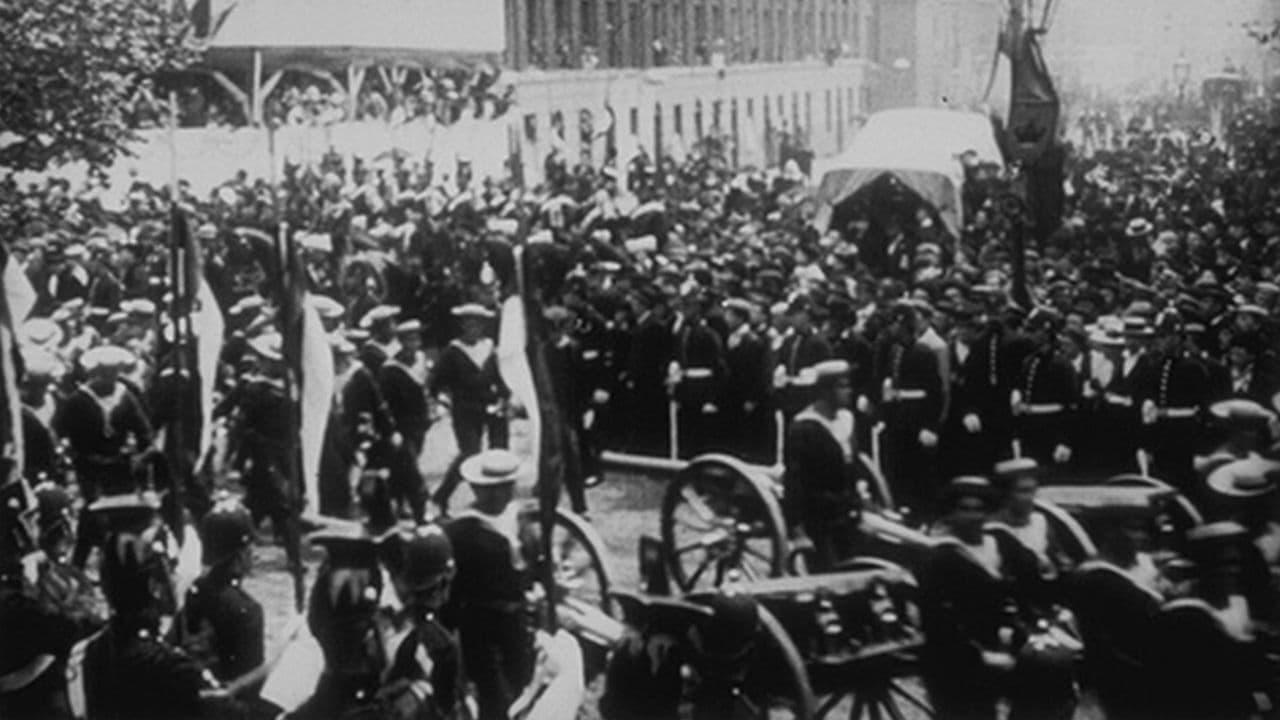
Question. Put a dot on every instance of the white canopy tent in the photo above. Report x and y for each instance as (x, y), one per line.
(921, 148)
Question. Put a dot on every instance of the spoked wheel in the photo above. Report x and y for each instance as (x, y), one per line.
(582, 571)
(722, 517)
(892, 699)
(776, 686)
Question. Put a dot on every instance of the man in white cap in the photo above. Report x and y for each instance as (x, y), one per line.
(382, 344)
(105, 425)
(488, 598)
(403, 380)
(466, 380)
(39, 409)
(819, 478)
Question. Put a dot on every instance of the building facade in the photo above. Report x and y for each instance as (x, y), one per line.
(589, 34)
(659, 75)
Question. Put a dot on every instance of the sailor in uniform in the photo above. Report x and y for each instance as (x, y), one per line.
(403, 380)
(466, 380)
(487, 604)
(380, 323)
(819, 490)
(39, 410)
(105, 426)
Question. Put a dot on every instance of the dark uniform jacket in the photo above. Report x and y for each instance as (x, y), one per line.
(221, 626)
(748, 373)
(471, 388)
(40, 446)
(131, 675)
(801, 351)
(265, 443)
(1047, 380)
(406, 399)
(985, 380)
(698, 347)
(98, 431)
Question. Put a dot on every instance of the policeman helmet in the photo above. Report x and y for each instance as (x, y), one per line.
(344, 599)
(138, 554)
(420, 561)
(225, 531)
(54, 511)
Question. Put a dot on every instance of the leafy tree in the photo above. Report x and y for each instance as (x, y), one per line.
(69, 70)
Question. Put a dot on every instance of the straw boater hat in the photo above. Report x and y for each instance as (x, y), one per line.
(268, 345)
(379, 314)
(106, 357)
(1249, 478)
(491, 467)
(472, 310)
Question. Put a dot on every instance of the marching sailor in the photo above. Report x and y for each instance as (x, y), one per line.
(819, 494)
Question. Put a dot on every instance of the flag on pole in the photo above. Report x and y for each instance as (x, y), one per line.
(317, 385)
(309, 360)
(15, 305)
(523, 361)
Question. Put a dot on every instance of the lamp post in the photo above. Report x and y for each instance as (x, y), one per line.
(1181, 76)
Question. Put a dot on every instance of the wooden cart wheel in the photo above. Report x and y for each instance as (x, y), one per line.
(779, 678)
(721, 516)
(1075, 540)
(582, 569)
(1189, 514)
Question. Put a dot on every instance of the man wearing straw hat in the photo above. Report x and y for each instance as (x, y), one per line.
(487, 603)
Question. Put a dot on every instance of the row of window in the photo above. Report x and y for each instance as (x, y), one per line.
(790, 113)
(647, 33)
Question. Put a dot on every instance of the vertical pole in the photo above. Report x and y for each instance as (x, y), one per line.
(177, 307)
(172, 137)
(257, 88)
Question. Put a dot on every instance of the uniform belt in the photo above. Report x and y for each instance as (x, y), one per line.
(697, 373)
(1043, 409)
(1115, 399)
(908, 394)
(1177, 413)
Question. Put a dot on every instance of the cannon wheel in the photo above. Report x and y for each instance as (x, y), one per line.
(1190, 514)
(582, 568)
(779, 675)
(1076, 541)
(719, 515)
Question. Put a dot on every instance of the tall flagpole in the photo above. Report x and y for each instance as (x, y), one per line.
(178, 305)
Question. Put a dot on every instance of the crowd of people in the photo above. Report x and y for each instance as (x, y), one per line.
(699, 310)
(317, 99)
